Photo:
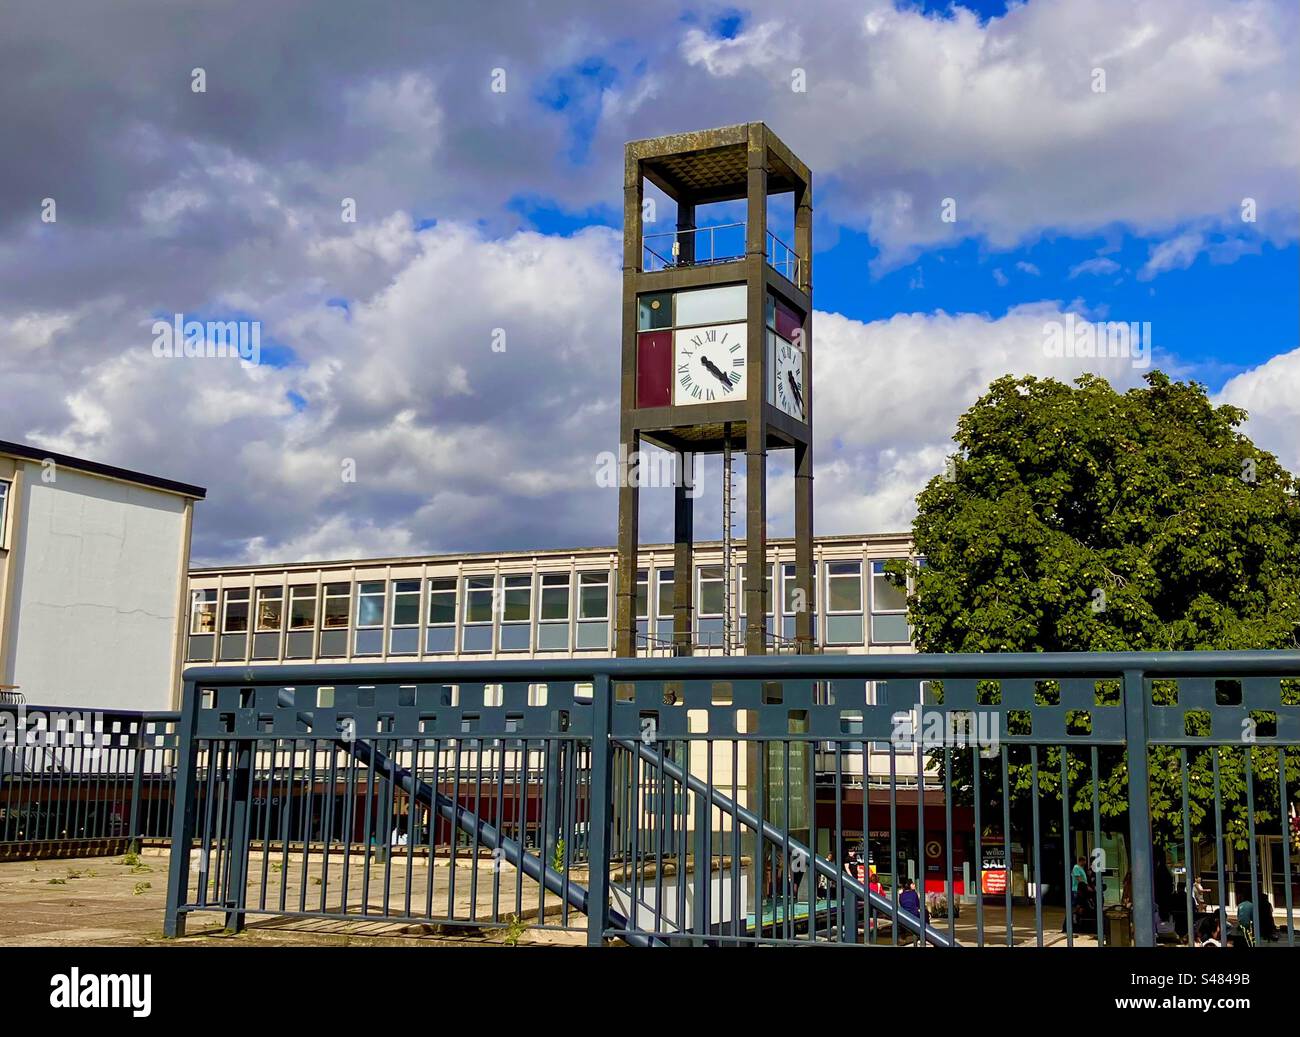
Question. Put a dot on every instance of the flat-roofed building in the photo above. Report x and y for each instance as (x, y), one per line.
(93, 563)
(558, 604)
(531, 604)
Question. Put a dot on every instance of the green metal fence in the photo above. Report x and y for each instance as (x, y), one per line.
(1075, 800)
(83, 782)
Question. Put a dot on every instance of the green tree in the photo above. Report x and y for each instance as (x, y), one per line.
(1076, 518)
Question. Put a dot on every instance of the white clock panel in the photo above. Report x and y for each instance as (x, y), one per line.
(787, 389)
(709, 364)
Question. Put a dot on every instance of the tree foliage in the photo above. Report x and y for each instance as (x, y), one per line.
(1076, 518)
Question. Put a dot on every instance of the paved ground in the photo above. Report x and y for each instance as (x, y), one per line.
(119, 901)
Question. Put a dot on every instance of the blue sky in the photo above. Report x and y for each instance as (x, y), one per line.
(489, 215)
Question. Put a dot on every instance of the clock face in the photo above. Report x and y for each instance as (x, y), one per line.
(788, 389)
(709, 364)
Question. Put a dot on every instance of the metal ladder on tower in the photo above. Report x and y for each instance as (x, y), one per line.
(728, 518)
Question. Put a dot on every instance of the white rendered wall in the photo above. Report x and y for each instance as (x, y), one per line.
(97, 592)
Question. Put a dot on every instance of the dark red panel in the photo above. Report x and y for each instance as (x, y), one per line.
(654, 369)
(787, 320)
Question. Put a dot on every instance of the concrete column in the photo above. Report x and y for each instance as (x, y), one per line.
(683, 554)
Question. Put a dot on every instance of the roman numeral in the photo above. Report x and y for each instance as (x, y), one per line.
(712, 335)
(738, 362)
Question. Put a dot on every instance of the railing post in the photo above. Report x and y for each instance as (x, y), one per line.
(598, 811)
(1139, 809)
(135, 838)
(183, 813)
(703, 871)
(242, 792)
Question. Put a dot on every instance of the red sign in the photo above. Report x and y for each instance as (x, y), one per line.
(994, 881)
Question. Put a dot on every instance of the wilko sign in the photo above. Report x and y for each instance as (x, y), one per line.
(993, 870)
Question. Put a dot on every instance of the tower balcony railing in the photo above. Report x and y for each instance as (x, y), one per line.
(783, 259)
(705, 246)
(702, 246)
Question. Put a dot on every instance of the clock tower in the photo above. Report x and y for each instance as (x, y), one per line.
(717, 357)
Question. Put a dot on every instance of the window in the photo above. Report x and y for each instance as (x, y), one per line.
(203, 612)
(269, 621)
(404, 638)
(370, 618)
(336, 605)
(593, 609)
(270, 608)
(203, 625)
(302, 608)
(664, 605)
(4, 511)
(334, 619)
(477, 633)
(711, 589)
(593, 595)
(441, 636)
(298, 643)
(888, 607)
(516, 612)
(790, 601)
(235, 618)
(553, 621)
(234, 625)
(843, 603)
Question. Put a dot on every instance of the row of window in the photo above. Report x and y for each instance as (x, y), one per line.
(501, 612)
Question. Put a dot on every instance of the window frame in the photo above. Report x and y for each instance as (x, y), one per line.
(196, 601)
(516, 583)
(444, 586)
(272, 593)
(828, 579)
(554, 581)
(873, 611)
(313, 596)
(472, 586)
(336, 596)
(231, 596)
(6, 494)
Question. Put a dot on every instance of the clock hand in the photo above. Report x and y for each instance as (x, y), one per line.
(794, 386)
(708, 366)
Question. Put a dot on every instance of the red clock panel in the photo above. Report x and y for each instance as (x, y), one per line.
(654, 369)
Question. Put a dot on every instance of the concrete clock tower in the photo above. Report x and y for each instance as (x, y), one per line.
(717, 356)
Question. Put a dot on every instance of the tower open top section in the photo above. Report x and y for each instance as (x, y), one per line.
(707, 166)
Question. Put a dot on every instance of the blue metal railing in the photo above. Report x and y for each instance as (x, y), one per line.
(84, 781)
(747, 800)
(717, 243)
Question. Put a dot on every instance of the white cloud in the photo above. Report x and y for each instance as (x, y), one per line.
(1099, 265)
(1178, 253)
(1270, 394)
(906, 108)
